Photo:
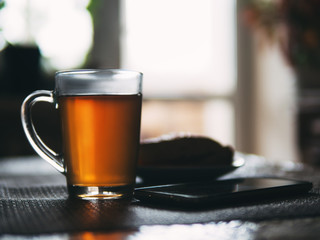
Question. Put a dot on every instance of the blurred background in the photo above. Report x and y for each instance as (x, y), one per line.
(244, 72)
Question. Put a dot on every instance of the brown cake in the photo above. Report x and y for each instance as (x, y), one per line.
(183, 150)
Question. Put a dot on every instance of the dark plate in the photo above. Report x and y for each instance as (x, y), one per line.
(165, 175)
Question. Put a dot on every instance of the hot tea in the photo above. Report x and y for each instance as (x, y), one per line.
(101, 137)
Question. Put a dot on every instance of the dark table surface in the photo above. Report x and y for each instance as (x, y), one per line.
(34, 203)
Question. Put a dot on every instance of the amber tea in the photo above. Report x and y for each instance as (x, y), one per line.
(100, 136)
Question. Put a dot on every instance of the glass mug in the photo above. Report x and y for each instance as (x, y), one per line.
(100, 112)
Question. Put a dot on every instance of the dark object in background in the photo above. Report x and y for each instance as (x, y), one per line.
(13, 141)
(20, 74)
(302, 50)
(20, 69)
(308, 120)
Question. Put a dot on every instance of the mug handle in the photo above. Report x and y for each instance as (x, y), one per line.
(38, 145)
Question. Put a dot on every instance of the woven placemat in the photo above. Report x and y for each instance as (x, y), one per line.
(36, 202)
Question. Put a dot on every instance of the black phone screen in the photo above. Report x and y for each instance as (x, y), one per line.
(221, 191)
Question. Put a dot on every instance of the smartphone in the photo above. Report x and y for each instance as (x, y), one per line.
(217, 192)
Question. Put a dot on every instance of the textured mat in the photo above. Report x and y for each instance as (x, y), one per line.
(34, 200)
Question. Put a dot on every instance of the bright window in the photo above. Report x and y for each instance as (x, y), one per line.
(61, 29)
(186, 50)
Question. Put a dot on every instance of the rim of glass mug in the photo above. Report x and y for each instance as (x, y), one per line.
(98, 82)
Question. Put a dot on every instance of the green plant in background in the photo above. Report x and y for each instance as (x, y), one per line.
(302, 19)
(299, 22)
(261, 15)
(2, 4)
